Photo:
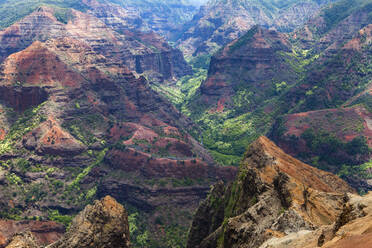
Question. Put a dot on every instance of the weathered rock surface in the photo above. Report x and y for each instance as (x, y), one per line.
(103, 224)
(352, 229)
(273, 196)
(23, 240)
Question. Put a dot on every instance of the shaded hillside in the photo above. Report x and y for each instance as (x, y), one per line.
(164, 17)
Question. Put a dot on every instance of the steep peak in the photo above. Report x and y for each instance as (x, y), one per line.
(269, 159)
(274, 195)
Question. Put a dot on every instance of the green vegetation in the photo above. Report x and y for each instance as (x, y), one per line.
(138, 238)
(14, 179)
(83, 126)
(186, 87)
(99, 159)
(329, 153)
(63, 15)
(54, 215)
(25, 123)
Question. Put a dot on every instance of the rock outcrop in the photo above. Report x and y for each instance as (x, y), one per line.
(103, 224)
(23, 240)
(274, 195)
(351, 229)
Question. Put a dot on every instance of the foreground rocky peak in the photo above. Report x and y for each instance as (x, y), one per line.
(274, 195)
(103, 224)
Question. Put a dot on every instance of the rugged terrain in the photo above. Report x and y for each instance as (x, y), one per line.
(278, 201)
(77, 125)
(83, 115)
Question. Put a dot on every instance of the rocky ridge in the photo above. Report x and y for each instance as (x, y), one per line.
(273, 196)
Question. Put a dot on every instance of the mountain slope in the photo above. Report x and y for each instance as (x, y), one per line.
(81, 126)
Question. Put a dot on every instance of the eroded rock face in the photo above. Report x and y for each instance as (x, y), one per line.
(274, 195)
(21, 98)
(103, 224)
